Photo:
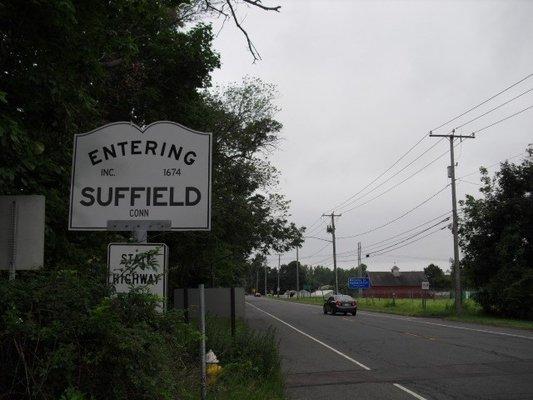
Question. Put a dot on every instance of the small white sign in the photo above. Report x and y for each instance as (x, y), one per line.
(138, 265)
(425, 285)
(123, 172)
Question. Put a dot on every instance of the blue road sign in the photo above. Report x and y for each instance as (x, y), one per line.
(358, 283)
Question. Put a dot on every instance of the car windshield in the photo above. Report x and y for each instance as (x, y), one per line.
(343, 297)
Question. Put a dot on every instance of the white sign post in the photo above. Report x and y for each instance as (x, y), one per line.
(124, 173)
(138, 265)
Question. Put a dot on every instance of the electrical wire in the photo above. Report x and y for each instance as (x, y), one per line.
(390, 177)
(349, 199)
(492, 109)
(370, 255)
(316, 253)
(396, 219)
(382, 174)
(409, 237)
(501, 120)
(493, 165)
(407, 231)
(396, 185)
(483, 102)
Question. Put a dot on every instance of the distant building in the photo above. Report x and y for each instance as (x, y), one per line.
(406, 284)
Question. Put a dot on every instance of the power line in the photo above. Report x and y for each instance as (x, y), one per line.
(322, 223)
(407, 231)
(409, 237)
(383, 173)
(493, 165)
(502, 120)
(398, 184)
(396, 219)
(472, 183)
(484, 102)
(493, 109)
(392, 176)
(316, 253)
(407, 244)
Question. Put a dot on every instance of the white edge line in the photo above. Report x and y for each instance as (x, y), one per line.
(415, 319)
(312, 338)
(415, 395)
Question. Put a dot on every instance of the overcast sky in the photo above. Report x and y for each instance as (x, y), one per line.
(360, 82)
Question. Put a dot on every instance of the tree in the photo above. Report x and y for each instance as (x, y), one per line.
(496, 238)
(69, 67)
(436, 277)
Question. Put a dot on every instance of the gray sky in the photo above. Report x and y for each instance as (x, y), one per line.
(360, 82)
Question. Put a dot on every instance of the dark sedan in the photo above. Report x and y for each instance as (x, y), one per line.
(340, 303)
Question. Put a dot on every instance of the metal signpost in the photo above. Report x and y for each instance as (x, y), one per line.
(141, 179)
(358, 283)
(425, 288)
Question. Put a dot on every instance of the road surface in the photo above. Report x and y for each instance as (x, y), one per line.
(382, 356)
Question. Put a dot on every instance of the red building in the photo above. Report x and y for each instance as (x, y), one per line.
(395, 283)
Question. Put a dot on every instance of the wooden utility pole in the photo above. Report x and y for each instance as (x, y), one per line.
(279, 267)
(297, 275)
(331, 229)
(359, 269)
(455, 224)
(265, 279)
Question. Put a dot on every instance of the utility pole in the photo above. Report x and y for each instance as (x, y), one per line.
(265, 279)
(455, 224)
(279, 267)
(331, 229)
(359, 269)
(257, 280)
(297, 275)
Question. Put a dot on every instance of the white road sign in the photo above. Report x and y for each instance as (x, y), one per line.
(135, 265)
(159, 172)
(425, 285)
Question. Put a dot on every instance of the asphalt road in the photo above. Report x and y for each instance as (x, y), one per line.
(381, 356)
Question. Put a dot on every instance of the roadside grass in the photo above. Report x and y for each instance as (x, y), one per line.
(251, 364)
(442, 308)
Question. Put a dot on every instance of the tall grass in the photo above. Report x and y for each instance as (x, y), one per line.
(251, 362)
(443, 308)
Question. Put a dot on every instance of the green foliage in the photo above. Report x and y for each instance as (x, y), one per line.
(63, 335)
(250, 361)
(496, 238)
(69, 67)
(436, 278)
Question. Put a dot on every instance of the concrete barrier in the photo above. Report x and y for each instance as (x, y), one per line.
(217, 301)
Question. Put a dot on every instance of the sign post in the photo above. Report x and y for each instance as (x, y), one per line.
(425, 288)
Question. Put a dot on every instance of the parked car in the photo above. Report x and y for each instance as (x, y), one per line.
(257, 294)
(340, 303)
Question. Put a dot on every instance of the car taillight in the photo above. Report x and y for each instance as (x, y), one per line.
(338, 303)
(353, 303)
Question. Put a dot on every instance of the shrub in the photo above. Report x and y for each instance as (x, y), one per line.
(63, 335)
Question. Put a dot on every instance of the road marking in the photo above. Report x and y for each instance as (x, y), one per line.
(449, 326)
(415, 395)
(312, 338)
(380, 315)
